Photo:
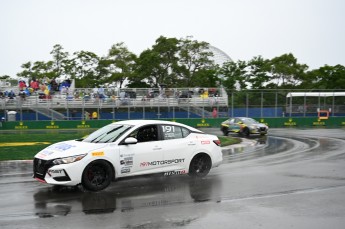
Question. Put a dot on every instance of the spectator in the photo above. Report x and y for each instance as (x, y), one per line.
(43, 87)
(46, 92)
(27, 91)
(11, 95)
(35, 85)
(22, 85)
(94, 115)
(87, 115)
(22, 94)
(54, 85)
(214, 113)
(101, 93)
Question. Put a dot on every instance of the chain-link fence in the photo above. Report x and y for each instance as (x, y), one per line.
(285, 103)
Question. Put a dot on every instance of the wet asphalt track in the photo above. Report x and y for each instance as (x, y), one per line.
(290, 179)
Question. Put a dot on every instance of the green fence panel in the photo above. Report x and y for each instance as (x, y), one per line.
(298, 122)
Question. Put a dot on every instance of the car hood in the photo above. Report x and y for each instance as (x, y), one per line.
(258, 125)
(67, 148)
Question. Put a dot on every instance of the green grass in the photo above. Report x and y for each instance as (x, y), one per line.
(226, 140)
(27, 152)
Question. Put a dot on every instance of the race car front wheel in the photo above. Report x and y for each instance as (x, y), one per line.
(245, 132)
(200, 165)
(97, 175)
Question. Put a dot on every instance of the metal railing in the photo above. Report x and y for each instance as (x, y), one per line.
(63, 105)
(172, 103)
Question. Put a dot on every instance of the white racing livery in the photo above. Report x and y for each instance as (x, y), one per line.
(128, 148)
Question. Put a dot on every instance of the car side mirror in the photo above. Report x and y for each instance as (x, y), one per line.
(130, 141)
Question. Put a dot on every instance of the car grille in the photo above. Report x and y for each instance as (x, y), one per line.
(262, 128)
(41, 167)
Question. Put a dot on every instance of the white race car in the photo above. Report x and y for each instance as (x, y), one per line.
(128, 148)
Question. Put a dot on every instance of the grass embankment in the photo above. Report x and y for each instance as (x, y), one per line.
(24, 145)
(226, 140)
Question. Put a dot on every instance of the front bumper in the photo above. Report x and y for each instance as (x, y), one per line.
(65, 174)
(259, 130)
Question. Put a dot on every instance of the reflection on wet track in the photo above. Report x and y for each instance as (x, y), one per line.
(287, 177)
(125, 196)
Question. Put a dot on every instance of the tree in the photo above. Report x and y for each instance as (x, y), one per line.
(27, 71)
(85, 64)
(193, 57)
(328, 77)
(207, 77)
(286, 72)
(234, 75)
(59, 61)
(158, 65)
(43, 69)
(258, 72)
(5, 77)
(119, 64)
(147, 68)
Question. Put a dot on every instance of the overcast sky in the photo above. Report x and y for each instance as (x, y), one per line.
(312, 30)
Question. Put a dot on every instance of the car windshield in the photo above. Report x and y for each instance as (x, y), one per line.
(107, 134)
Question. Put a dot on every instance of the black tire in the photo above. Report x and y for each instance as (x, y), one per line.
(97, 176)
(225, 131)
(246, 132)
(200, 165)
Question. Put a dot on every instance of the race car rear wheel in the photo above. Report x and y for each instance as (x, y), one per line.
(200, 165)
(97, 175)
(225, 130)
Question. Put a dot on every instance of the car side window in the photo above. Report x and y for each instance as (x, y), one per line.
(146, 134)
(174, 132)
(185, 132)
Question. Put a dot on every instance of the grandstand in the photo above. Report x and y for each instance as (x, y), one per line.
(70, 103)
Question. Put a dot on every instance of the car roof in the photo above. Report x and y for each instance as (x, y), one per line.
(139, 122)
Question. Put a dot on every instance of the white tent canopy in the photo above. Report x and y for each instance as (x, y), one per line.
(314, 94)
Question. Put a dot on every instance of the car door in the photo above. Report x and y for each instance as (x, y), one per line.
(145, 156)
(177, 147)
(233, 125)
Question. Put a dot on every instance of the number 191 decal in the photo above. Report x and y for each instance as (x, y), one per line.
(168, 129)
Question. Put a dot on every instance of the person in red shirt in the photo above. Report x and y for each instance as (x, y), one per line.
(22, 85)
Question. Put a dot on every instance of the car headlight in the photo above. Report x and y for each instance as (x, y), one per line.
(67, 160)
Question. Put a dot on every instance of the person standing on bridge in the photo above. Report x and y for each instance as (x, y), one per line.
(94, 115)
